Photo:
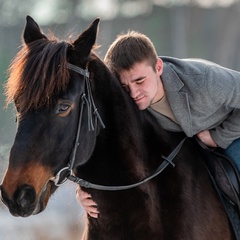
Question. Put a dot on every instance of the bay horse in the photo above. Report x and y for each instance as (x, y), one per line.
(75, 121)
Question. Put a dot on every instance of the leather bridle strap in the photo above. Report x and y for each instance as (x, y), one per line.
(87, 99)
(92, 109)
(68, 170)
(167, 160)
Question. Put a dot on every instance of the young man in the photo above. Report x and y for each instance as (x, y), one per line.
(191, 95)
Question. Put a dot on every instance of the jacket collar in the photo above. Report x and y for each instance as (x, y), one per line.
(178, 100)
(170, 79)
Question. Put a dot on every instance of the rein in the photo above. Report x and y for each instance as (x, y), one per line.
(167, 160)
(88, 99)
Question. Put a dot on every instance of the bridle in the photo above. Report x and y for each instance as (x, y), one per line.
(93, 113)
(67, 172)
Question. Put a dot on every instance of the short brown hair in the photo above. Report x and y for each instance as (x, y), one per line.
(128, 49)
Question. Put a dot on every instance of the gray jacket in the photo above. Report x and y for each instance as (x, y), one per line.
(202, 96)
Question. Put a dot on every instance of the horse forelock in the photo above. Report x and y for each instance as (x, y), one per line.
(38, 74)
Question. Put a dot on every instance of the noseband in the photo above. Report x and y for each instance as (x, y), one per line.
(92, 111)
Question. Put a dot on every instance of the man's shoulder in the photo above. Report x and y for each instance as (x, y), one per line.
(188, 66)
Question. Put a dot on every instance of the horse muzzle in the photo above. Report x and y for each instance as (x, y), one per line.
(25, 202)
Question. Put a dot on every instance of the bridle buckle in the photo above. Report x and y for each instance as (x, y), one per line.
(57, 178)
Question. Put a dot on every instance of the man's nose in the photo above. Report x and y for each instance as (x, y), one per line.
(133, 91)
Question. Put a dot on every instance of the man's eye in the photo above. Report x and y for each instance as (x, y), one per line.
(140, 81)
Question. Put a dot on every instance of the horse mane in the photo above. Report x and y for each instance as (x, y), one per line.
(37, 73)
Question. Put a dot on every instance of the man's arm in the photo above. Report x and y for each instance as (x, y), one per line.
(224, 90)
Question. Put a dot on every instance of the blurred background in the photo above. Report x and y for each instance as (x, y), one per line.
(180, 28)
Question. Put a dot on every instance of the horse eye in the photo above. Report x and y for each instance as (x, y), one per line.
(63, 108)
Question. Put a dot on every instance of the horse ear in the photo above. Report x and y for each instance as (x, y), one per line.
(87, 39)
(32, 31)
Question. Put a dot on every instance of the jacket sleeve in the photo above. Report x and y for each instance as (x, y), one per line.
(224, 89)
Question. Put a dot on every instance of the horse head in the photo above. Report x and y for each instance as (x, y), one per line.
(48, 97)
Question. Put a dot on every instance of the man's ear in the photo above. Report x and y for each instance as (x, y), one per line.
(32, 31)
(159, 67)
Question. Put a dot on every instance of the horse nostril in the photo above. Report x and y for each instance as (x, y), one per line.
(23, 199)
(25, 196)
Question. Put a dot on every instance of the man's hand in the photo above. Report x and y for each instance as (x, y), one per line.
(206, 138)
(85, 199)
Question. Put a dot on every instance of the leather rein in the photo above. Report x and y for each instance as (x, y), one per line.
(87, 99)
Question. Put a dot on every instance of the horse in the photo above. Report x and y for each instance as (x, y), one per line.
(75, 121)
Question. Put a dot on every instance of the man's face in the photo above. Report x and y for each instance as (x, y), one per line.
(143, 83)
